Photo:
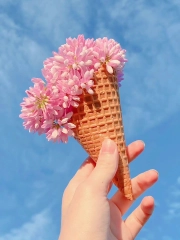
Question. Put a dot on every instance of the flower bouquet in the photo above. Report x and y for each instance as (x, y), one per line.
(80, 98)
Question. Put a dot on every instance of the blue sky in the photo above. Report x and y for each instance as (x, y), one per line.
(34, 172)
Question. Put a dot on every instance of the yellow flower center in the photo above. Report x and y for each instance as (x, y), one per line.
(41, 102)
(56, 125)
(107, 59)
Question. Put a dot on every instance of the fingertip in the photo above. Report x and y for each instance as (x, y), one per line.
(140, 215)
(154, 175)
(155, 171)
(135, 149)
(84, 170)
(108, 146)
(106, 166)
(140, 144)
(143, 143)
(147, 205)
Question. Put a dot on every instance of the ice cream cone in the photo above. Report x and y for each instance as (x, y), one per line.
(99, 116)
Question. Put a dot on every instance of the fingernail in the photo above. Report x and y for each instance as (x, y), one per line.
(108, 146)
(156, 171)
(143, 143)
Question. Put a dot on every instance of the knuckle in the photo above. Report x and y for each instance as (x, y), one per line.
(65, 194)
(141, 185)
(68, 190)
(85, 189)
(139, 221)
(106, 161)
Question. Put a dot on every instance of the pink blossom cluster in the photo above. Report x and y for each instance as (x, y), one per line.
(48, 107)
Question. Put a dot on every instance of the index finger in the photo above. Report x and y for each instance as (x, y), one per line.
(134, 149)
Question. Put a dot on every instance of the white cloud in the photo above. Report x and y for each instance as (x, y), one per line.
(166, 238)
(151, 90)
(55, 21)
(175, 192)
(26, 44)
(5, 2)
(178, 180)
(19, 56)
(173, 204)
(40, 227)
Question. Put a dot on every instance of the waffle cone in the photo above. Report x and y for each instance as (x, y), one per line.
(99, 116)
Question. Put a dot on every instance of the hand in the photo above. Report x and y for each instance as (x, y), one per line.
(87, 213)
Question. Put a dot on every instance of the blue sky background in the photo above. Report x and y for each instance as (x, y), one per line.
(34, 172)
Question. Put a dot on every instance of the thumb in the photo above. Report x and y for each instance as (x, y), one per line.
(106, 166)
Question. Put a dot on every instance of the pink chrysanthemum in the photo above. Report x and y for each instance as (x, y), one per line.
(68, 91)
(40, 104)
(60, 129)
(87, 82)
(49, 108)
(51, 70)
(76, 56)
(109, 52)
(120, 75)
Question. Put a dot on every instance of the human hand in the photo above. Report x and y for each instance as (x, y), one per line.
(87, 213)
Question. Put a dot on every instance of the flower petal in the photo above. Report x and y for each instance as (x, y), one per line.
(114, 62)
(71, 125)
(90, 91)
(59, 58)
(109, 69)
(69, 115)
(97, 65)
(64, 130)
(86, 75)
(54, 133)
(89, 62)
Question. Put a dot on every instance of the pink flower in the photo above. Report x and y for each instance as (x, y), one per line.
(108, 52)
(120, 74)
(69, 91)
(34, 124)
(48, 108)
(51, 70)
(40, 104)
(87, 82)
(74, 57)
(61, 129)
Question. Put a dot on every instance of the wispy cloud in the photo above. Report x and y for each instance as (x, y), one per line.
(39, 227)
(173, 204)
(178, 180)
(167, 238)
(151, 92)
(19, 57)
(33, 171)
(31, 168)
(146, 234)
(66, 20)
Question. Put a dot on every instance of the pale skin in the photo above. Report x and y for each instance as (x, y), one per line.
(88, 214)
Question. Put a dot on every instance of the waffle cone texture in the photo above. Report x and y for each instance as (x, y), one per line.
(99, 116)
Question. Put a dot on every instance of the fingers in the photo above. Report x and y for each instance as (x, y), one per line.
(134, 149)
(98, 179)
(139, 185)
(83, 172)
(140, 216)
(106, 167)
